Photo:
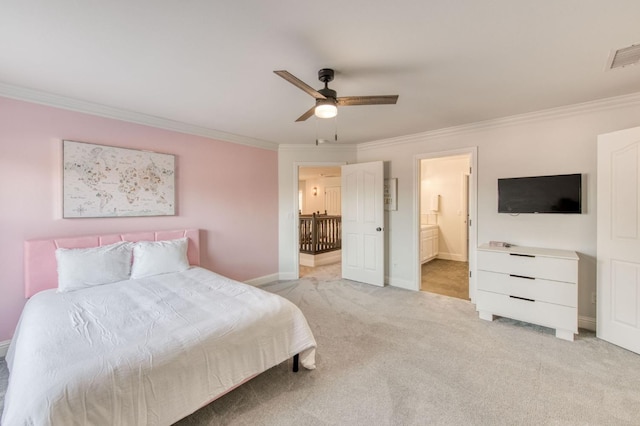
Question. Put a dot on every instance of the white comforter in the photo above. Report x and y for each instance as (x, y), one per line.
(145, 352)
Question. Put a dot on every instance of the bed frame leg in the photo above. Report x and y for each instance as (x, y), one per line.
(295, 362)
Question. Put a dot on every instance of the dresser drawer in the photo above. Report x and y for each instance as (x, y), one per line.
(550, 268)
(541, 313)
(557, 292)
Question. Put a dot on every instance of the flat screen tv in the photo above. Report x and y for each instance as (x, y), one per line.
(540, 194)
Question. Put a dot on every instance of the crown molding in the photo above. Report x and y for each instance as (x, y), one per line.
(322, 147)
(552, 113)
(57, 101)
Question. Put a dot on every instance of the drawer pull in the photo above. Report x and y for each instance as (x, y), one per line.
(522, 298)
(521, 276)
(521, 255)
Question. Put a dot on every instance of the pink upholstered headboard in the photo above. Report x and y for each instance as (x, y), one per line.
(40, 267)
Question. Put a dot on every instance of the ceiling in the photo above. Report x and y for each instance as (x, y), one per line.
(210, 64)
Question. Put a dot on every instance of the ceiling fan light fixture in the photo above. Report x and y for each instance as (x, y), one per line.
(327, 100)
(325, 108)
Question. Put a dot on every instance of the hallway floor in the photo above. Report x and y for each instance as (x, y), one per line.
(327, 272)
(446, 277)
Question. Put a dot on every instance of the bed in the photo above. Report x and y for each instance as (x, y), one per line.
(146, 350)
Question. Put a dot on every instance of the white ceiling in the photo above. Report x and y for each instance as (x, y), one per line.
(210, 63)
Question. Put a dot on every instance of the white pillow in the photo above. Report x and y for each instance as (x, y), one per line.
(159, 257)
(87, 267)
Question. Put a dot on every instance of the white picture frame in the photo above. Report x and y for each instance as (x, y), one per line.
(390, 189)
(107, 181)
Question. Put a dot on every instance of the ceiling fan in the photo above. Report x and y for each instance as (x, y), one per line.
(327, 100)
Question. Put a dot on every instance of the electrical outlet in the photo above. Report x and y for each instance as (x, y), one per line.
(593, 297)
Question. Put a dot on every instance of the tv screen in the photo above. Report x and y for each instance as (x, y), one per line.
(541, 194)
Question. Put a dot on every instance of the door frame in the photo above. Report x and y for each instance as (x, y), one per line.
(296, 213)
(466, 181)
(473, 212)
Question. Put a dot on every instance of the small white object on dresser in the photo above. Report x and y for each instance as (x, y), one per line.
(535, 285)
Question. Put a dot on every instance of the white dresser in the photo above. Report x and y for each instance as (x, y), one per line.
(529, 284)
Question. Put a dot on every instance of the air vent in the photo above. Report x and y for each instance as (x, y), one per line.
(625, 56)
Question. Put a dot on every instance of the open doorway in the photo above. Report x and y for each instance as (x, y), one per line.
(319, 220)
(444, 225)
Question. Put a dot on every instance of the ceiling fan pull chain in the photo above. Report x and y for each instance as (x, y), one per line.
(335, 138)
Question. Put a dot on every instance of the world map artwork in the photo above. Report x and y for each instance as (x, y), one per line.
(105, 181)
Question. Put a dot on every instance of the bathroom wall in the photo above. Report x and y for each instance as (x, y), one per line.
(445, 178)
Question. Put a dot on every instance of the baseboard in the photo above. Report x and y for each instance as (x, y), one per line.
(285, 276)
(4, 347)
(320, 259)
(256, 282)
(588, 323)
(451, 256)
(400, 283)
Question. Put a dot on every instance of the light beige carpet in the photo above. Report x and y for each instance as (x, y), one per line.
(388, 356)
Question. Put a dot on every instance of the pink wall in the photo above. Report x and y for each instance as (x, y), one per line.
(227, 190)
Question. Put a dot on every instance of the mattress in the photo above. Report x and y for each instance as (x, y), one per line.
(146, 351)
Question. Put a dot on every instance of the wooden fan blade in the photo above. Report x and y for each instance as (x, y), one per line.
(300, 84)
(367, 100)
(307, 114)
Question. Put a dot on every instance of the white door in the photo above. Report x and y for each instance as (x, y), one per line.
(362, 223)
(618, 246)
(332, 201)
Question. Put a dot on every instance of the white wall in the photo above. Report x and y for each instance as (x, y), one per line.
(555, 141)
(290, 157)
(561, 140)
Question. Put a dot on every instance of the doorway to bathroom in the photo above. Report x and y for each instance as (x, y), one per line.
(444, 199)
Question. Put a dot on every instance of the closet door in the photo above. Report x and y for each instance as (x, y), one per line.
(618, 247)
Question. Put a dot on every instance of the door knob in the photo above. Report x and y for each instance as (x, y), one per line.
(378, 229)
